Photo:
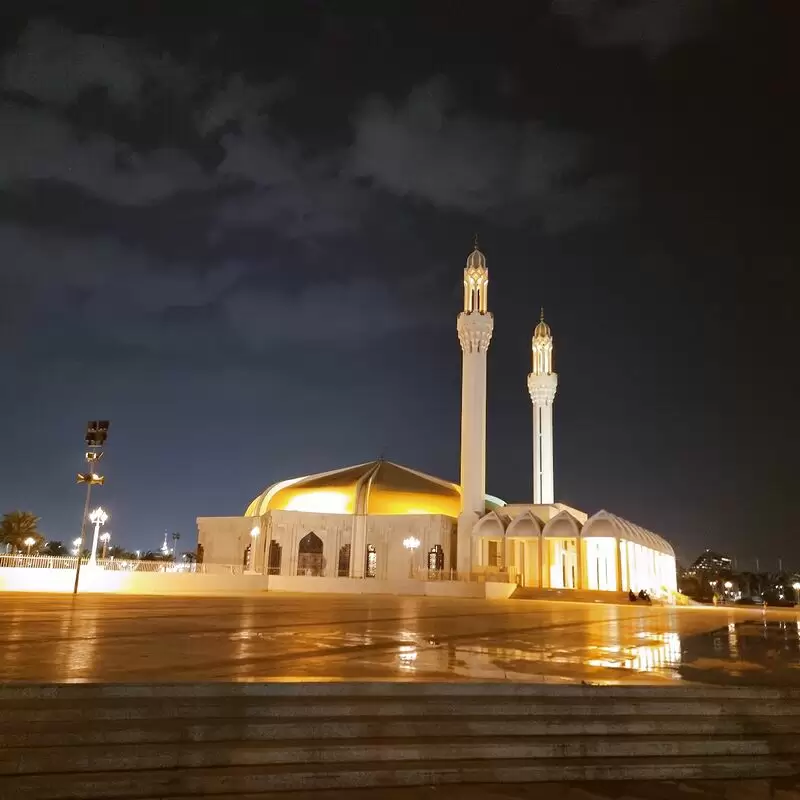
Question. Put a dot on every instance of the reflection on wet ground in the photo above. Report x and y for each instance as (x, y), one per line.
(291, 637)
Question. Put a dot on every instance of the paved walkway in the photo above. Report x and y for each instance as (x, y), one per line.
(291, 637)
(778, 789)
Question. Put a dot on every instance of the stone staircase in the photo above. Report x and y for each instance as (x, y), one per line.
(574, 595)
(248, 740)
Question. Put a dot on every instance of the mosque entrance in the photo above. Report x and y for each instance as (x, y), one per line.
(309, 555)
(274, 562)
(372, 562)
(436, 558)
(344, 561)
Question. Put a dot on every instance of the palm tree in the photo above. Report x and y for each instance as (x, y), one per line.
(16, 526)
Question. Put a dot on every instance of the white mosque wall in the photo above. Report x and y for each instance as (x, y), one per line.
(384, 557)
(224, 539)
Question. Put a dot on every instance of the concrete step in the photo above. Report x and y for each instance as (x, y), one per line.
(100, 709)
(227, 729)
(392, 690)
(569, 595)
(365, 751)
(183, 784)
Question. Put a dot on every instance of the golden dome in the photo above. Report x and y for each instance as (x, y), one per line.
(377, 487)
(542, 330)
(476, 259)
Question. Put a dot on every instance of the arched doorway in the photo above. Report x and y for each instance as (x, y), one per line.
(274, 562)
(436, 558)
(343, 569)
(372, 561)
(309, 555)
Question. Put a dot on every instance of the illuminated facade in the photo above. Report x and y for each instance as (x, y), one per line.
(558, 547)
(356, 522)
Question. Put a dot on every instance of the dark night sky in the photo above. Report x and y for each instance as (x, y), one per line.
(240, 236)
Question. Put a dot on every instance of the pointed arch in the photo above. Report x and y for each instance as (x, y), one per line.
(525, 525)
(562, 526)
(492, 526)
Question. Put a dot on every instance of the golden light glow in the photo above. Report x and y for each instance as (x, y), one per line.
(320, 502)
(476, 283)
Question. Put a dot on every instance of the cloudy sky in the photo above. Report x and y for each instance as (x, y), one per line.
(240, 237)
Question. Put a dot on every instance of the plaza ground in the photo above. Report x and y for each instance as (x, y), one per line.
(108, 638)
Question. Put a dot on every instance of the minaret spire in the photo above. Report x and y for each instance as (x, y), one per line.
(542, 385)
(475, 325)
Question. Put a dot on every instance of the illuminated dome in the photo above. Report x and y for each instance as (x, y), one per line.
(542, 330)
(377, 487)
(476, 259)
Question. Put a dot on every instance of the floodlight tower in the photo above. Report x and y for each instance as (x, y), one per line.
(96, 435)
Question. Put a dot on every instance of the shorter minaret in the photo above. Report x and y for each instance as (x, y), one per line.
(542, 384)
(475, 324)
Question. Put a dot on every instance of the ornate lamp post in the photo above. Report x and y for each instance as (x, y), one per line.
(411, 544)
(98, 517)
(29, 542)
(96, 435)
(104, 538)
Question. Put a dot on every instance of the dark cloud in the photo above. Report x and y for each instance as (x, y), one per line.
(140, 301)
(652, 26)
(38, 145)
(428, 149)
(55, 65)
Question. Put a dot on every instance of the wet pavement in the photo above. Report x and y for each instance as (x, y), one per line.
(110, 638)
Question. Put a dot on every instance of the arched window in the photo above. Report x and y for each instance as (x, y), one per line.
(436, 558)
(343, 570)
(274, 563)
(309, 555)
(372, 561)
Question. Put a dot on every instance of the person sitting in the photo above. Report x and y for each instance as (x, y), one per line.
(631, 596)
(644, 596)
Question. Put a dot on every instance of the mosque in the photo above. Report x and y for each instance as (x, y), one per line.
(387, 522)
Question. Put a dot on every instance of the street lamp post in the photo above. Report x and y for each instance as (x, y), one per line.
(98, 518)
(411, 544)
(29, 542)
(96, 435)
(175, 539)
(796, 587)
(104, 538)
(76, 547)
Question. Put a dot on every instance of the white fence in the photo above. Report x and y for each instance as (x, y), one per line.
(118, 565)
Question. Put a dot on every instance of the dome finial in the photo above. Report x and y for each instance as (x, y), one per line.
(542, 330)
(475, 242)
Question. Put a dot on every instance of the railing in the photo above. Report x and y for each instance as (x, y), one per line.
(118, 565)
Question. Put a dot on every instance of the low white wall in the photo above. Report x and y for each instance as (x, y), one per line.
(308, 585)
(63, 580)
(499, 591)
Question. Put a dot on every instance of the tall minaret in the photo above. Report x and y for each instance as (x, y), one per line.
(475, 324)
(542, 383)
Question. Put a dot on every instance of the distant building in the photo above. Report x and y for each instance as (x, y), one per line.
(711, 561)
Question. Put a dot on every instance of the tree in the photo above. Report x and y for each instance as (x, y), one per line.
(54, 548)
(17, 526)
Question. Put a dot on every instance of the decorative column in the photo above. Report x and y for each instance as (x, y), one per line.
(475, 325)
(542, 384)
